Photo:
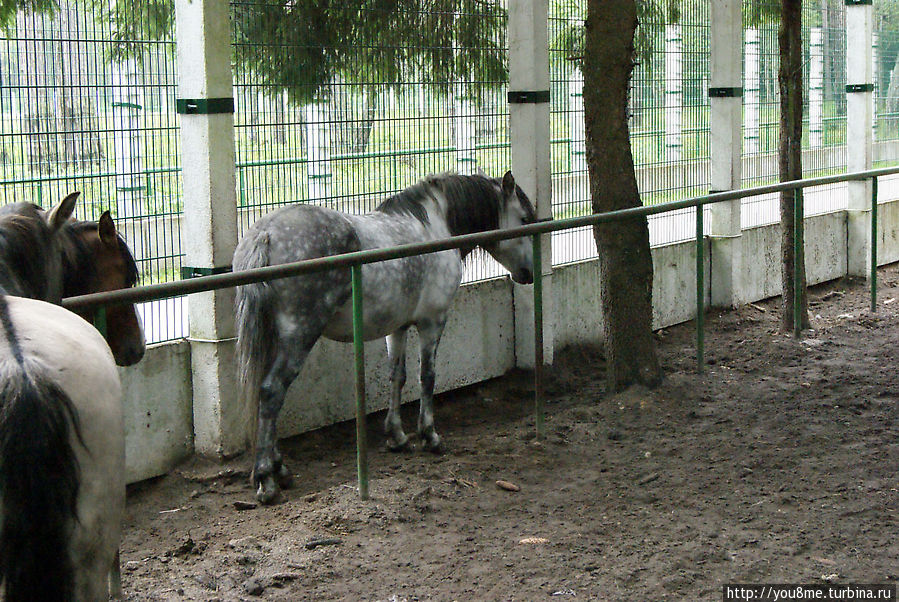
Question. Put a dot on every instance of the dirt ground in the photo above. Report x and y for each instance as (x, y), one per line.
(778, 464)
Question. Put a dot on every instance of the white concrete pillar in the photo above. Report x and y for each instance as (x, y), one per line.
(464, 131)
(674, 96)
(859, 120)
(529, 124)
(726, 109)
(751, 90)
(816, 88)
(578, 146)
(209, 225)
(318, 151)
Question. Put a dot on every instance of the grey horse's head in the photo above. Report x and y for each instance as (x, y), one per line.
(516, 255)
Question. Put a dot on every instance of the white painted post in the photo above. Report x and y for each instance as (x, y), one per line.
(727, 288)
(464, 131)
(127, 105)
(816, 88)
(529, 124)
(674, 101)
(859, 141)
(209, 225)
(578, 145)
(318, 152)
(751, 91)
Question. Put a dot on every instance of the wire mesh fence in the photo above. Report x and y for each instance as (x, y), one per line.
(367, 131)
(345, 111)
(824, 105)
(78, 114)
(886, 92)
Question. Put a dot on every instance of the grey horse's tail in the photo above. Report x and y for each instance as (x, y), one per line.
(255, 327)
(39, 477)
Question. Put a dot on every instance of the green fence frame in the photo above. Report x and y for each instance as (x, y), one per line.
(356, 260)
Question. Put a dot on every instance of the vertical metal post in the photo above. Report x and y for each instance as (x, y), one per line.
(538, 335)
(797, 250)
(873, 244)
(100, 320)
(700, 291)
(242, 187)
(359, 363)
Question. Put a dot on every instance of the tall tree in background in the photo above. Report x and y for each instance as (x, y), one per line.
(623, 247)
(789, 81)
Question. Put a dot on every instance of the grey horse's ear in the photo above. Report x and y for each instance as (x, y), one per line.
(508, 184)
(62, 212)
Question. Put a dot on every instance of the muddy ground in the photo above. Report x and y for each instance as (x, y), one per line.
(778, 464)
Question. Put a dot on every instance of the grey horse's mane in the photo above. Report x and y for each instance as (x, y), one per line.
(473, 202)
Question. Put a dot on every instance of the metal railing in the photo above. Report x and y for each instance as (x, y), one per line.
(356, 260)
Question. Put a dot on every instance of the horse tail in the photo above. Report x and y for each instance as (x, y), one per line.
(39, 477)
(255, 326)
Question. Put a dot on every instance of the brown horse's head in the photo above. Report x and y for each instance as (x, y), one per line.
(98, 259)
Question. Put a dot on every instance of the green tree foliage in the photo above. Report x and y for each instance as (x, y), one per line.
(9, 8)
(652, 16)
(301, 46)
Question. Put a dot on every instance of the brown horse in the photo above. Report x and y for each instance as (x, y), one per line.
(97, 259)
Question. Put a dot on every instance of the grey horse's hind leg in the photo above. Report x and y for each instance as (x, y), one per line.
(429, 333)
(269, 471)
(393, 424)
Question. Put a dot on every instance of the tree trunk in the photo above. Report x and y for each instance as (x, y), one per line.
(790, 155)
(624, 257)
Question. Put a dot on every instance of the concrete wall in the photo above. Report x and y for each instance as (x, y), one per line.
(158, 413)
(577, 316)
(479, 340)
(478, 344)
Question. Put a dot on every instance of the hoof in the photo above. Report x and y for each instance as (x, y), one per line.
(432, 443)
(268, 490)
(401, 445)
(285, 479)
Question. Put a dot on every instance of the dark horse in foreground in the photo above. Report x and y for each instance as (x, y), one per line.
(49, 256)
(62, 444)
(278, 322)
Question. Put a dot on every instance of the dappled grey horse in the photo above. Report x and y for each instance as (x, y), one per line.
(278, 322)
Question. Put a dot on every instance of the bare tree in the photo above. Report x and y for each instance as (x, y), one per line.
(790, 158)
(624, 255)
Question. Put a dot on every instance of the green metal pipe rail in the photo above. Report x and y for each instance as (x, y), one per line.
(354, 261)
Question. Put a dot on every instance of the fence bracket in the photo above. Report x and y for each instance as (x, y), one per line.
(204, 106)
(188, 272)
(527, 96)
(725, 92)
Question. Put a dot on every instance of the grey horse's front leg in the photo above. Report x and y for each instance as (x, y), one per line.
(393, 424)
(429, 333)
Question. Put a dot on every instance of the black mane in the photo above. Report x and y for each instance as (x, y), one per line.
(79, 265)
(473, 202)
(79, 270)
